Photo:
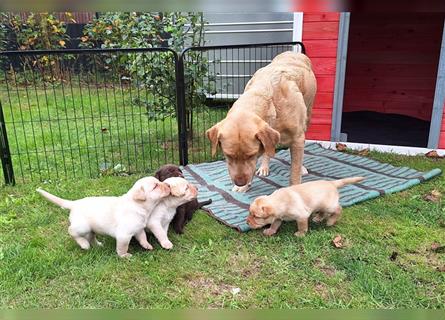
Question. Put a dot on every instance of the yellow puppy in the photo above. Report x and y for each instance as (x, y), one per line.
(297, 203)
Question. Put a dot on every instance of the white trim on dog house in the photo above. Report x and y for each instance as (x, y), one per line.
(439, 97)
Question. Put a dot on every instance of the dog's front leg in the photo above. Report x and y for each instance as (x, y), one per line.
(273, 228)
(296, 154)
(263, 170)
(161, 234)
(122, 243)
(141, 237)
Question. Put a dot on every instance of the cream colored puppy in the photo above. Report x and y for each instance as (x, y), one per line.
(297, 203)
(119, 217)
(180, 192)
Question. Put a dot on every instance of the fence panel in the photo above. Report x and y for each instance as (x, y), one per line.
(77, 113)
(226, 73)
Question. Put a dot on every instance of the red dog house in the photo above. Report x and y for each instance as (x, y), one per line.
(381, 77)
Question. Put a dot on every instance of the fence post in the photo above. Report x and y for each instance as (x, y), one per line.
(8, 170)
(181, 114)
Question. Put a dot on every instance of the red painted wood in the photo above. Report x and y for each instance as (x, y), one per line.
(325, 83)
(321, 16)
(320, 36)
(392, 63)
(320, 30)
(323, 100)
(324, 66)
(321, 48)
(442, 140)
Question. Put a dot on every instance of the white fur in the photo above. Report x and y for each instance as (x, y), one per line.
(162, 215)
(119, 217)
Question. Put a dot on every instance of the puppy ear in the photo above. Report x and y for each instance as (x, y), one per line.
(266, 211)
(158, 175)
(269, 138)
(139, 194)
(175, 191)
(212, 135)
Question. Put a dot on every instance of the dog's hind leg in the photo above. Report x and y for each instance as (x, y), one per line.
(263, 170)
(93, 240)
(335, 216)
(82, 238)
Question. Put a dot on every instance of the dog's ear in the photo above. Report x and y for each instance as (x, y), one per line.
(212, 134)
(139, 194)
(269, 138)
(176, 191)
(158, 175)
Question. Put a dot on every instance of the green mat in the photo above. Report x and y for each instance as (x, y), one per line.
(231, 208)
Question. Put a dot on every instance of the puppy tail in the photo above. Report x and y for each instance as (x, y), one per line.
(65, 204)
(204, 203)
(343, 182)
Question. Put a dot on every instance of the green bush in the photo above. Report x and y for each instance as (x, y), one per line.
(153, 71)
(39, 31)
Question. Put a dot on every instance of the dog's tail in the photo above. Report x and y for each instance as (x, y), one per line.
(204, 203)
(343, 182)
(65, 204)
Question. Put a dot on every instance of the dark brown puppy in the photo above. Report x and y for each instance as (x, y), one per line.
(184, 213)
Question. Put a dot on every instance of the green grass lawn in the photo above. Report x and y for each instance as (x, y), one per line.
(75, 129)
(386, 260)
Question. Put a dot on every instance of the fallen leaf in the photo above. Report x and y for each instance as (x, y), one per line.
(235, 291)
(436, 247)
(62, 43)
(363, 152)
(340, 146)
(393, 256)
(432, 154)
(337, 241)
(433, 196)
(103, 129)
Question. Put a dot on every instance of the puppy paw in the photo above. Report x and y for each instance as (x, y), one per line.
(167, 245)
(98, 243)
(147, 246)
(304, 171)
(269, 232)
(126, 255)
(300, 234)
(241, 189)
(263, 171)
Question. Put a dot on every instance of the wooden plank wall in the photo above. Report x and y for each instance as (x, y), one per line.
(392, 63)
(320, 36)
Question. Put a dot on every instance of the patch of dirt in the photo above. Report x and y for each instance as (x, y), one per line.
(323, 267)
(205, 289)
(245, 263)
(322, 290)
(430, 256)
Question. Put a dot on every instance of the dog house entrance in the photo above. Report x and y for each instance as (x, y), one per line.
(391, 71)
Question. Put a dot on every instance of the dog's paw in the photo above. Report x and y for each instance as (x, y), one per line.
(300, 234)
(241, 189)
(304, 171)
(269, 232)
(167, 244)
(126, 255)
(147, 246)
(263, 171)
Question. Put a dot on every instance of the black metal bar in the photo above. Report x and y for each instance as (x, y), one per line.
(251, 45)
(74, 51)
(8, 170)
(180, 107)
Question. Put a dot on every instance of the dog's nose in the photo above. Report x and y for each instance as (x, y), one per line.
(240, 180)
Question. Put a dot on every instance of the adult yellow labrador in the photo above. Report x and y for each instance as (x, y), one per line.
(274, 108)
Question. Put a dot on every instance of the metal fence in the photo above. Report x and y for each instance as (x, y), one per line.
(229, 68)
(87, 113)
